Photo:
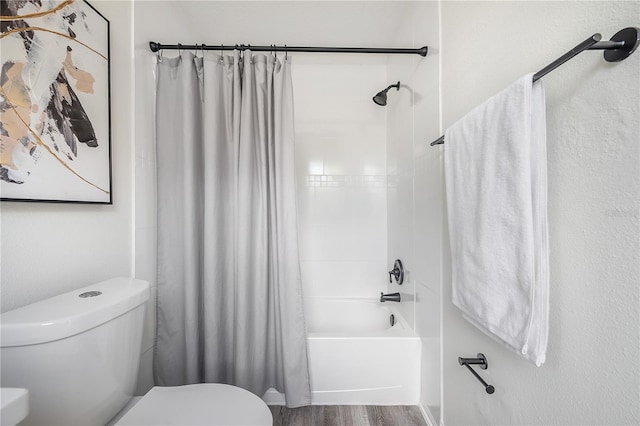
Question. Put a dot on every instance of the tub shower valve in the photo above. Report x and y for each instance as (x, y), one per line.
(397, 272)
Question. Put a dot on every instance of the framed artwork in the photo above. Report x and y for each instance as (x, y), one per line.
(55, 118)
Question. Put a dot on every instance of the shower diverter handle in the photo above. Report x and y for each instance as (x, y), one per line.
(397, 272)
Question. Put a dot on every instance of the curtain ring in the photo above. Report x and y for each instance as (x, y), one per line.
(221, 53)
(179, 49)
(202, 50)
(286, 53)
(275, 51)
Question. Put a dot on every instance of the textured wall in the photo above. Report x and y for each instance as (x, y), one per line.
(594, 190)
(48, 249)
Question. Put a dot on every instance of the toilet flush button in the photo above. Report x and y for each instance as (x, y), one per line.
(90, 294)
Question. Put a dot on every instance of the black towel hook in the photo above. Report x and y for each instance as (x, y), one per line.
(481, 360)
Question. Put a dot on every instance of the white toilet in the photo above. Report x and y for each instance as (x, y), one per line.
(78, 353)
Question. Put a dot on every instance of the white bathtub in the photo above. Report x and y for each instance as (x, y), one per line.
(356, 357)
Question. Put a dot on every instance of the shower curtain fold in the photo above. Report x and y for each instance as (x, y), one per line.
(229, 305)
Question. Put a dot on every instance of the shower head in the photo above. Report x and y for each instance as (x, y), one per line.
(381, 97)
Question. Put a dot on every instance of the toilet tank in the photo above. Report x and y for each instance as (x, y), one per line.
(77, 353)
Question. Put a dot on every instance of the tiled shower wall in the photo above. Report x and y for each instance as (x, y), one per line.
(341, 175)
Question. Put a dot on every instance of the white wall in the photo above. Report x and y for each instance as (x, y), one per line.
(48, 249)
(590, 376)
(146, 15)
(414, 196)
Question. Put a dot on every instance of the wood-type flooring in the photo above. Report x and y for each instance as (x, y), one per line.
(347, 415)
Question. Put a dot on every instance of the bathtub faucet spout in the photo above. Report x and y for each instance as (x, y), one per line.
(391, 297)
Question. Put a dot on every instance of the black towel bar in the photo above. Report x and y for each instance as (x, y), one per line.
(481, 360)
(622, 44)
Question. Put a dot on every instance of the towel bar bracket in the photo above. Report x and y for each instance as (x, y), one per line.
(481, 360)
(630, 37)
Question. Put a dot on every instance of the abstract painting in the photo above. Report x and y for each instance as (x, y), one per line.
(54, 102)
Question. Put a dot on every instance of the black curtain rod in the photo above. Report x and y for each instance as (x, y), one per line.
(622, 44)
(155, 47)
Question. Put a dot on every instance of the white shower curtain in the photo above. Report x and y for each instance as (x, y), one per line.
(229, 302)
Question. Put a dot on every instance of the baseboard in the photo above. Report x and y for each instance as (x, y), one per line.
(370, 397)
(428, 417)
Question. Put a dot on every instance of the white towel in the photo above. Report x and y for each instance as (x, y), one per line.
(496, 182)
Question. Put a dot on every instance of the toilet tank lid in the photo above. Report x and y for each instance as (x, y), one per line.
(71, 313)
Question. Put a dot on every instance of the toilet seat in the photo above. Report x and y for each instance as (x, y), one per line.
(202, 404)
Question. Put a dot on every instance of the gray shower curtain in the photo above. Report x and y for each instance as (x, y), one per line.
(229, 301)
